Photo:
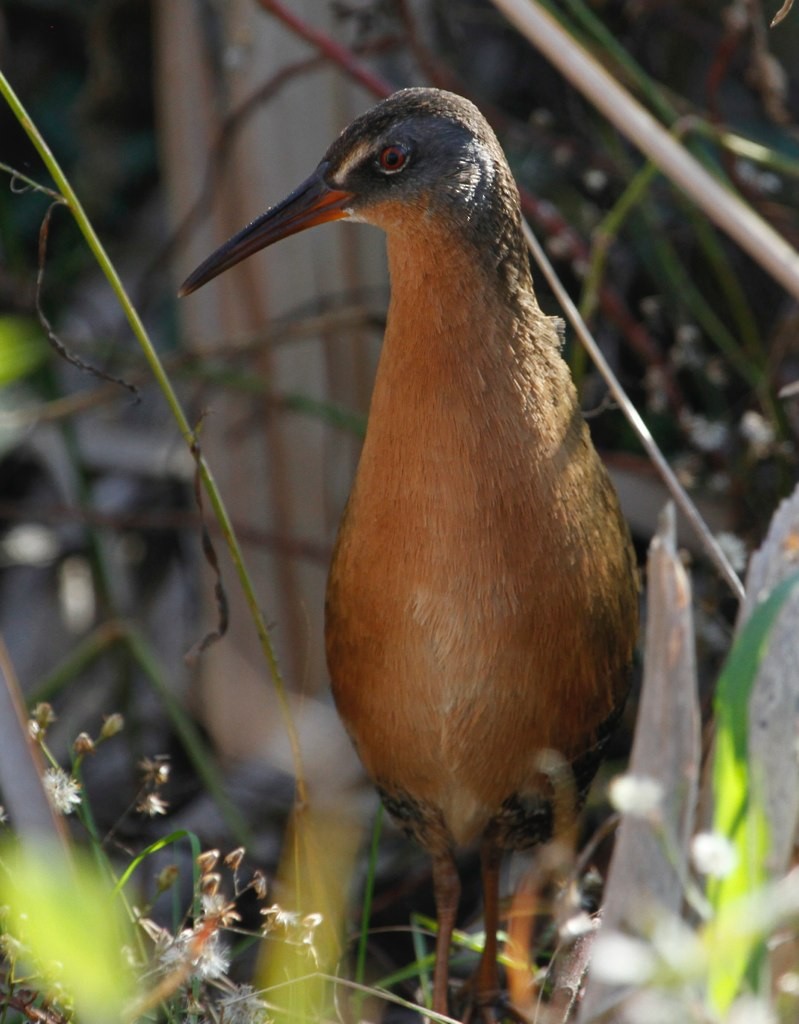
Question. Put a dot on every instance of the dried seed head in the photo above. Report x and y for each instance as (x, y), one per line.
(112, 724)
(83, 744)
(151, 805)
(43, 715)
(154, 932)
(167, 877)
(218, 908)
(198, 949)
(155, 770)
(276, 916)
(210, 883)
(207, 861)
(234, 858)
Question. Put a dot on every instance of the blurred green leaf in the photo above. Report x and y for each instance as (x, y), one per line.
(72, 927)
(736, 949)
(23, 348)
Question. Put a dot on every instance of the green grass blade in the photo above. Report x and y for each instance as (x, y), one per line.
(159, 844)
(735, 950)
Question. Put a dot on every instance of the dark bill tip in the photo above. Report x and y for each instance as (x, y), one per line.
(313, 202)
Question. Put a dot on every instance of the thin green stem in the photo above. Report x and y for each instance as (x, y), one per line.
(366, 912)
(30, 183)
(164, 383)
(741, 146)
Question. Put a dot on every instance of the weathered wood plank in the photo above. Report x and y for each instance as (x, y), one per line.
(650, 856)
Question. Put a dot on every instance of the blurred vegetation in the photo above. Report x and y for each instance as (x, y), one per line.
(702, 338)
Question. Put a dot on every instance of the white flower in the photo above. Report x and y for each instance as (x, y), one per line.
(243, 1007)
(276, 915)
(655, 386)
(758, 433)
(640, 796)
(595, 179)
(617, 959)
(213, 959)
(204, 955)
(706, 435)
(62, 790)
(151, 804)
(214, 903)
(752, 174)
(789, 983)
(651, 305)
(31, 544)
(713, 854)
(687, 351)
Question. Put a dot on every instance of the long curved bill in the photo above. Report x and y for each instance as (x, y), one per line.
(313, 202)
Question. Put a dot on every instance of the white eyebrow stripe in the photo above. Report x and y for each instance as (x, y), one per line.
(355, 156)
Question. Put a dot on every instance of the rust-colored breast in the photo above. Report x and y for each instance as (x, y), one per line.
(482, 599)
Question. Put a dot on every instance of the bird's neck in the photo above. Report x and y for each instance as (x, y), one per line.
(476, 454)
(464, 354)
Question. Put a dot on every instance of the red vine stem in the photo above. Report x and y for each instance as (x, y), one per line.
(334, 51)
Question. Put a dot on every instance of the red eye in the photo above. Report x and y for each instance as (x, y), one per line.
(392, 159)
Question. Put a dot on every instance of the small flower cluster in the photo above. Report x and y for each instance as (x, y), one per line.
(187, 967)
(63, 788)
(155, 773)
(297, 929)
(194, 954)
(195, 961)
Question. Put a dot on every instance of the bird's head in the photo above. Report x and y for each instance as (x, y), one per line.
(422, 155)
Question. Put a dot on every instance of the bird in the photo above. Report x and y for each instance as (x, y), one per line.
(481, 609)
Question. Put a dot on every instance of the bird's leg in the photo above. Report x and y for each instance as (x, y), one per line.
(483, 999)
(486, 980)
(447, 893)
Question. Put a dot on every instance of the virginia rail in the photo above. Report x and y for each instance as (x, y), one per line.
(482, 601)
